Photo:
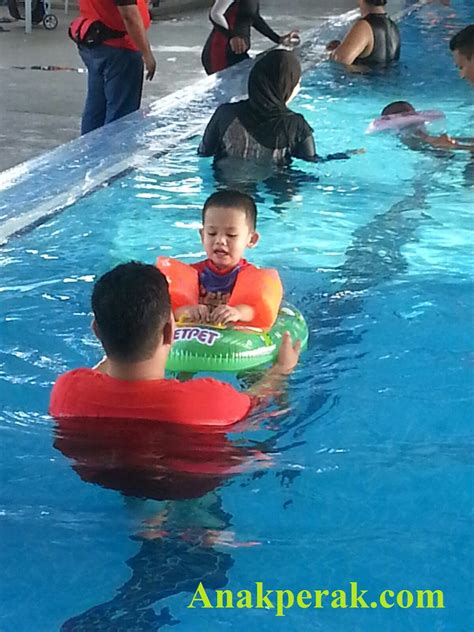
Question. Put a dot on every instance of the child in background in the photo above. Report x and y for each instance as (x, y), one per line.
(416, 137)
(225, 289)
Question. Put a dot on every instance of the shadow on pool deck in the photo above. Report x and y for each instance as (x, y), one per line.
(40, 110)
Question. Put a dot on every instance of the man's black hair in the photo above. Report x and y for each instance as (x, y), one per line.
(131, 306)
(377, 3)
(464, 41)
(397, 107)
(231, 198)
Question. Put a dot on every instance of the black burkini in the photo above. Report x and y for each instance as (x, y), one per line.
(240, 15)
(386, 40)
(262, 128)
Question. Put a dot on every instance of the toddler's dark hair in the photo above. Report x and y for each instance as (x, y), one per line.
(397, 107)
(231, 198)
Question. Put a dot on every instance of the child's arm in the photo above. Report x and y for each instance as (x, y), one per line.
(446, 142)
(193, 313)
(225, 314)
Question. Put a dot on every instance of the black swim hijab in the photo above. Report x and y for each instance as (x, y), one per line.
(271, 83)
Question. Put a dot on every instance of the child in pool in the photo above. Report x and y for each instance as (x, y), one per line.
(229, 227)
(416, 137)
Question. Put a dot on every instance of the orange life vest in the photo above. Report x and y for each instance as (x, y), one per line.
(260, 288)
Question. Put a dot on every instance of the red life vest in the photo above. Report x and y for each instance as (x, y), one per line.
(106, 11)
(86, 393)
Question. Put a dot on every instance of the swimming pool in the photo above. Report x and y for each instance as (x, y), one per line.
(362, 473)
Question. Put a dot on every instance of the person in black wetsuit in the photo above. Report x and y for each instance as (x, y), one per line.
(262, 128)
(230, 38)
(374, 40)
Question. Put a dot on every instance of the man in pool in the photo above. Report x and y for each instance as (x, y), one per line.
(229, 227)
(415, 136)
(462, 47)
(135, 325)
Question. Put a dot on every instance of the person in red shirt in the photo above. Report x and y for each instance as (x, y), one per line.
(134, 322)
(115, 66)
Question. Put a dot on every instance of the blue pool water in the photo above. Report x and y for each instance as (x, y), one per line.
(362, 472)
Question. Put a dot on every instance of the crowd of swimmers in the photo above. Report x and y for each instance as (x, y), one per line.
(134, 307)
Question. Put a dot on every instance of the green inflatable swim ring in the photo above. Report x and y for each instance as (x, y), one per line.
(207, 348)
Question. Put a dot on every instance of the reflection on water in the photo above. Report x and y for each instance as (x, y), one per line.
(165, 565)
(149, 460)
(160, 462)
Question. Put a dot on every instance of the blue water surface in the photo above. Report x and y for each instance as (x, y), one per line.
(361, 472)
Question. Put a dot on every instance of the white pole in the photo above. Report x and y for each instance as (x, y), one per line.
(28, 19)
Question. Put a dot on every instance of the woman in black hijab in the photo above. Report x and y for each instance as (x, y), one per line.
(262, 128)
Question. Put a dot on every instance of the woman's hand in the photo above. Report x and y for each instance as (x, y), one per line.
(291, 39)
(238, 45)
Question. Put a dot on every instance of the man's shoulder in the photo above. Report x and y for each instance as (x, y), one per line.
(74, 375)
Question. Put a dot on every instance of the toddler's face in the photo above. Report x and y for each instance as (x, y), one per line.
(225, 236)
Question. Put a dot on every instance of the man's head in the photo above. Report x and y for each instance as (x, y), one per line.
(462, 46)
(398, 107)
(132, 312)
(229, 221)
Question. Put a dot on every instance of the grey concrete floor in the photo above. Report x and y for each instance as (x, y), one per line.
(40, 110)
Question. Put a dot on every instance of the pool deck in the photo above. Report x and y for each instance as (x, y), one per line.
(41, 109)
